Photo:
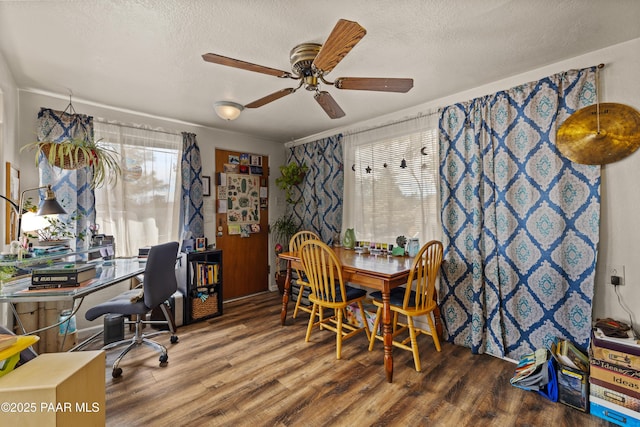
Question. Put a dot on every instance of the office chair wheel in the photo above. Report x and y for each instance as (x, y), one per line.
(116, 372)
(174, 339)
(163, 359)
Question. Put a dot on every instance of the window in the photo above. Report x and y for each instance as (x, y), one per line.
(391, 179)
(142, 209)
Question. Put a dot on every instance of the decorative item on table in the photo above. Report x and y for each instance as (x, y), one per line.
(413, 246)
(401, 241)
(375, 248)
(201, 244)
(362, 247)
(349, 241)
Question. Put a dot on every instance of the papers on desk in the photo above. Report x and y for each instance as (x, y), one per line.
(50, 250)
(7, 340)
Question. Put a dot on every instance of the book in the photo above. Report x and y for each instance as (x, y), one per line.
(63, 269)
(531, 372)
(577, 357)
(61, 277)
(568, 355)
(45, 288)
(7, 340)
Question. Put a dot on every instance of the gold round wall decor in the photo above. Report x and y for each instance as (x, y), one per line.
(600, 134)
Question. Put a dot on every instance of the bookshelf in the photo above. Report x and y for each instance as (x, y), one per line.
(204, 285)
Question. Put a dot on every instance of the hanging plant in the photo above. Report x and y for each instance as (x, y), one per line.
(78, 153)
(291, 175)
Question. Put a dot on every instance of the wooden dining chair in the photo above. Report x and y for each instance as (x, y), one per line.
(414, 300)
(300, 277)
(328, 291)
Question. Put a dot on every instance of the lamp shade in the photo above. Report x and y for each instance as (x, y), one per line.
(50, 205)
(227, 110)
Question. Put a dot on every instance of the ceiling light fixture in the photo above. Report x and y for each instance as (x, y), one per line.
(227, 110)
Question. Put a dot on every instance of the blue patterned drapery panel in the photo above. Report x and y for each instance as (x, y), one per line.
(320, 206)
(520, 220)
(191, 215)
(71, 186)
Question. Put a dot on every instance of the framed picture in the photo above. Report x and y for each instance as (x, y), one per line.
(201, 244)
(206, 186)
(12, 180)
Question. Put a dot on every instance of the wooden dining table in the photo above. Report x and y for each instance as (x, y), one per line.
(375, 272)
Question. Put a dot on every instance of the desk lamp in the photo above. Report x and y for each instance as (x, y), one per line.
(49, 205)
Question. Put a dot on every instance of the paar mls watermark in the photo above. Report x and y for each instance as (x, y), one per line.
(39, 407)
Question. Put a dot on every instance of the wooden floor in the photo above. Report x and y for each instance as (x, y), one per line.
(244, 369)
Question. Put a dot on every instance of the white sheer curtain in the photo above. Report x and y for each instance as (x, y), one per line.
(142, 208)
(382, 199)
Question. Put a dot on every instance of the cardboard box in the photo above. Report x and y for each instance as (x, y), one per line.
(614, 387)
(624, 345)
(616, 357)
(616, 378)
(614, 397)
(614, 413)
(56, 389)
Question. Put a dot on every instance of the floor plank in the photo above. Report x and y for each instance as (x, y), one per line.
(244, 369)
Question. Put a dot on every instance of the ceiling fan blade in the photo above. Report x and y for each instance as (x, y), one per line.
(329, 105)
(371, 83)
(345, 35)
(230, 62)
(270, 98)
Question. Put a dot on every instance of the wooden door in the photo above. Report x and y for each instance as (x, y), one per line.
(246, 259)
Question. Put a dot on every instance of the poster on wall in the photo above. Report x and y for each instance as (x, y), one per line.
(243, 199)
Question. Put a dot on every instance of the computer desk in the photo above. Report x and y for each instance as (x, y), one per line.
(108, 273)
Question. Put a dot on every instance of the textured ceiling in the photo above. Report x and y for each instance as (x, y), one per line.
(145, 55)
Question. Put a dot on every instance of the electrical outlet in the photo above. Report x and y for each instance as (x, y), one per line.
(615, 271)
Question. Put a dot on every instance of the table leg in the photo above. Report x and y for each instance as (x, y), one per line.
(285, 294)
(387, 332)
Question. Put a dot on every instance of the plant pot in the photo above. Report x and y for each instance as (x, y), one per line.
(66, 161)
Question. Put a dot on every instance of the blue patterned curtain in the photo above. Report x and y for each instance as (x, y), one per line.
(71, 186)
(320, 206)
(520, 220)
(191, 215)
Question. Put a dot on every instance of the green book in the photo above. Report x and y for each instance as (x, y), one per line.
(63, 269)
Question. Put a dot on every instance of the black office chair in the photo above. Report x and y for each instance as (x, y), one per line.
(158, 285)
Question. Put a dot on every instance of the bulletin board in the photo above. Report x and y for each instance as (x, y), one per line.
(242, 215)
(243, 199)
(12, 181)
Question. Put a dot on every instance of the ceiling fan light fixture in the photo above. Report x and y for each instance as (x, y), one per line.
(227, 110)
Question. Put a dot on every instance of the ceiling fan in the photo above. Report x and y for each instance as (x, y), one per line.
(311, 62)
